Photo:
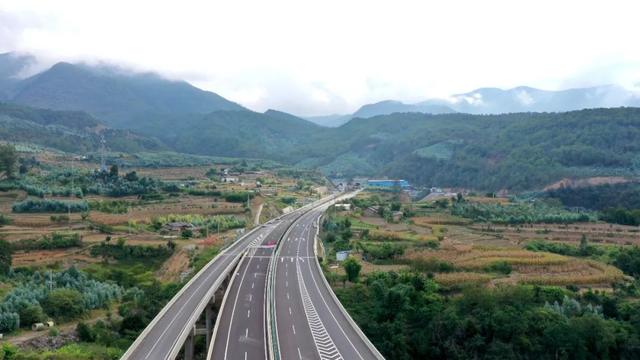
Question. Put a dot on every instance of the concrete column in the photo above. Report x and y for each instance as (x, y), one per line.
(189, 347)
(209, 318)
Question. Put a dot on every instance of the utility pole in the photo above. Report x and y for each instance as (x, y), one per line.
(72, 194)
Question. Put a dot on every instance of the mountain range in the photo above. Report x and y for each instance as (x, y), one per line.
(435, 142)
(498, 101)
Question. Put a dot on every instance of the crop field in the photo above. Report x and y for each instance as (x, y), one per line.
(485, 253)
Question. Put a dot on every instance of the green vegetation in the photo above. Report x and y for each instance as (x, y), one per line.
(352, 268)
(618, 203)
(628, 260)
(6, 256)
(70, 131)
(621, 216)
(4, 220)
(64, 304)
(124, 252)
(584, 249)
(110, 206)
(49, 205)
(407, 316)
(203, 257)
(72, 294)
(601, 197)
(55, 240)
(238, 197)
(8, 160)
(381, 251)
(212, 223)
(519, 213)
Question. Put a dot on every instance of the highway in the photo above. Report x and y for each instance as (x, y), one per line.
(240, 331)
(310, 322)
(164, 336)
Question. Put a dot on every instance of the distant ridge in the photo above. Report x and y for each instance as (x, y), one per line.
(113, 95)
(499, 101)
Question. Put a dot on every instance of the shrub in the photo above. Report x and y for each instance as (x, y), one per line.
(502, 267)
(564, 249)
(59, 218)
(238, 197)
(30, 314)
(4, 220)
(110, 206)
(431, 265)
(49, 242)
(85, 332)
(121, 251)
(64, 303)
(628, 260)
(9, 321)
(384, 251)
(55, 206)
(186, 234)
(6, 256)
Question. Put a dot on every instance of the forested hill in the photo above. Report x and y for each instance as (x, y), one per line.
(270, 135)
(72, 131)
(522, 151)
(113, 95)
(514, 151)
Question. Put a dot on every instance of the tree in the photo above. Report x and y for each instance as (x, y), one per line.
(6, 256)
(8, 160)
(85, 332)
(113, 171)
(30, 314)
(352, 268)
(131, 176)
(583, 250)
(186, 234)
(64, 304)
(211, 173)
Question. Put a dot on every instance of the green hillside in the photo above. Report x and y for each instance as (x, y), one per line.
(113, 95)
(67, 131)
(514, 151)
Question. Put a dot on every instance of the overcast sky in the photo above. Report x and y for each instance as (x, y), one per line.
(326, 56)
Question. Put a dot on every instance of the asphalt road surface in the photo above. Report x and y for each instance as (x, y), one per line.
(165, 335)
(241, 327)
(309, 322)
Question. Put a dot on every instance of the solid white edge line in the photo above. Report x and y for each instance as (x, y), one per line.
(182, 290)
(220, 311)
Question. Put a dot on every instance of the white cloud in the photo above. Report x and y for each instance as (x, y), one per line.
(285, 53)
(525, 98)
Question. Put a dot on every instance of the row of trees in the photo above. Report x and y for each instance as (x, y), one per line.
(49, 205)
(55, 240)
(519, 213)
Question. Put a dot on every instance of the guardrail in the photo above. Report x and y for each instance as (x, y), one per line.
(272, 332)
(353, 324)
(220, 311)
(145, 332)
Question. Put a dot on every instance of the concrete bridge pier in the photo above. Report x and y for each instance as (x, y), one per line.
(210, 313)
(189, 345)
